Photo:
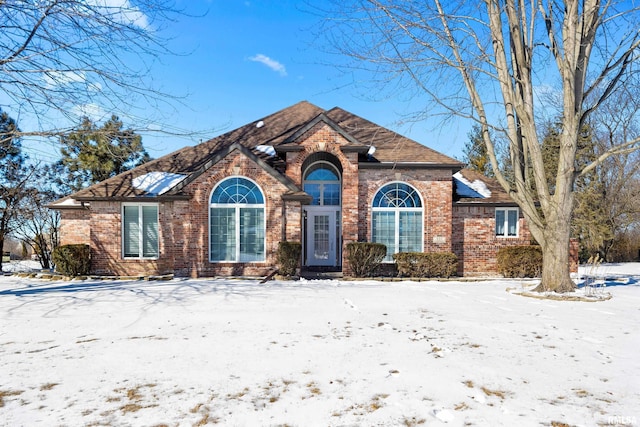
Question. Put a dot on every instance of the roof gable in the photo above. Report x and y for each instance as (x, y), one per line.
(320, 118)
(248, 153)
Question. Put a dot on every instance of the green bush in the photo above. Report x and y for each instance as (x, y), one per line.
(520, 261)
(420, 264)
(289, 257)
(364, 258)
(72, 260)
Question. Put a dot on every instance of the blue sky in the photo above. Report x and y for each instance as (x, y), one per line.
(246, 59)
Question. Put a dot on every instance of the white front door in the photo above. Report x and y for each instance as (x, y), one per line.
(321, 241)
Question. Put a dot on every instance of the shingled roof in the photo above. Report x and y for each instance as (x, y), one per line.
(276, 130)
(471, 187)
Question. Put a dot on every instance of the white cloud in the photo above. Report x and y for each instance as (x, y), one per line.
(60, 78)
(124, 12)
(93, 111)
(54, 79)
(271, 63)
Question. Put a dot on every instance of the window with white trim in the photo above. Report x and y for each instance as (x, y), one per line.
(397, 219)
(507, 222)
(140, 230)
(237, 227)
(322, 182)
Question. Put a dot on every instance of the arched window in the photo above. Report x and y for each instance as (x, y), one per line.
(237, 227)
(397, 219)
(322, 182)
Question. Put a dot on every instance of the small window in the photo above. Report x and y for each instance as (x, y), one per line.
(507, 222)
(140, 231)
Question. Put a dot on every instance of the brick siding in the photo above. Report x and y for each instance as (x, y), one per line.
(74, 226)
(475, 242)
(468, 231)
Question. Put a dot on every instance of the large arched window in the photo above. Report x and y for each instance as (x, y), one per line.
(397, 219)
(237, 226)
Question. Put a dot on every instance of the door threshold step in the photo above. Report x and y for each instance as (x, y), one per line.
(315, 274)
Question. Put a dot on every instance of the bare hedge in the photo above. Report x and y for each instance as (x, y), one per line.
(364, 258)
(289, 257)
(520, 261)
(420, 264)
(72, 260)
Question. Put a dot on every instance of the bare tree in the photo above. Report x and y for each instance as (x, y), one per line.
(39, 227)
(620, 174)
(488, 61)
(68, 58)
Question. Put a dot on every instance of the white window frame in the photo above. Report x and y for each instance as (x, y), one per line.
(237, 207)
(324, 165)
(140, 233)
(397, 211)
(505, 225)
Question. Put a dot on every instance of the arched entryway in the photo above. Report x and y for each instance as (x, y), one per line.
(322, 179)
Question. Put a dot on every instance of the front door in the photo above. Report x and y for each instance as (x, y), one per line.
(321, 243)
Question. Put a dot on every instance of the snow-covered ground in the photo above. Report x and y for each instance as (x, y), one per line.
(234, 352)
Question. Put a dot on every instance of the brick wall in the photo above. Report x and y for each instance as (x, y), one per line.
(74, 226)
(475, 242)
(184, 228)
(476, 245)
(322, 138)
(468, 231)
(435, 188)
(106, 243)
(191, 222)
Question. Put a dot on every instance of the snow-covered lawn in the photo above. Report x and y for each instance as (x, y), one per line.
(234, 352)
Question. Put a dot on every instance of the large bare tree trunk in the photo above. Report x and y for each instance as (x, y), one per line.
(556, 272)
(490, 61)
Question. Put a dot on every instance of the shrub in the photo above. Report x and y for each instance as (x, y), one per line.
(72, 260)
(289, 257)
(420, 264)
(520, 261)
(365, 257)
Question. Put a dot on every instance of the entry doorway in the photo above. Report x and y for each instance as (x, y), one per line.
(322, 217)
(322, 243)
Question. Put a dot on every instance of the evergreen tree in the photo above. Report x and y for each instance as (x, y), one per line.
(475, 152)
(92, 154)
(589, 223)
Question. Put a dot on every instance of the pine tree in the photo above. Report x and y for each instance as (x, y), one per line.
(475, 153)
(589, 223)
(92, 154)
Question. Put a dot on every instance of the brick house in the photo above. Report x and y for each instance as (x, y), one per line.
(321, 177)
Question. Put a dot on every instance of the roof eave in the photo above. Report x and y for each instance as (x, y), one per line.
(483, 203)
(409, 165)
(305, 199)
(79, 206)
(288, 148)
(354, 148)
(137, 199)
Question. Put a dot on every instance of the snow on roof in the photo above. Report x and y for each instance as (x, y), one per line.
(476, 189)
(266, 149)
(68, 202)
(157, 183)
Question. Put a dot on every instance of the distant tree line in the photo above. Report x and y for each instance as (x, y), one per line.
(89, 154)
(606, 214)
